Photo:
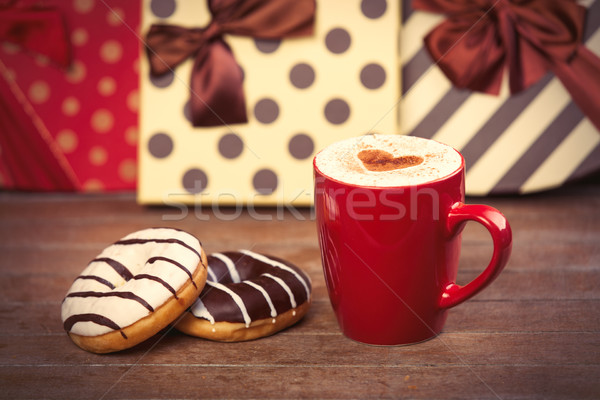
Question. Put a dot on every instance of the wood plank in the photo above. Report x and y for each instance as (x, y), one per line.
(43, 319)
(70, 261)
(101, 232)
(324, 382)
(38, 319)
(12, 204)
(534, 333)
(522, 285)
(171, 348)
(62, 223)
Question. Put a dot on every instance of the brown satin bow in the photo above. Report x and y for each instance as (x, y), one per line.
(39, 30)
(480, 38)
(217, 96)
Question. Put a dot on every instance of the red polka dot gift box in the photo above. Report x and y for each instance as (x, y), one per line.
(515, 86)
(235, 101)
(69, 94)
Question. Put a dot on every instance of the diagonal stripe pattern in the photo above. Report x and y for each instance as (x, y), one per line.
(531, 141)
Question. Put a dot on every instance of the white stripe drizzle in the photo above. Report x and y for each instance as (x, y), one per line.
(277, 264)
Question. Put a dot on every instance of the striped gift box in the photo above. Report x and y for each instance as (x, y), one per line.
(530, 141)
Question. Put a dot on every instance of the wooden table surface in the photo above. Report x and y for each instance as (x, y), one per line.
(534, 333)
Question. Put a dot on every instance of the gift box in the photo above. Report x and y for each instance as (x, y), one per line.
(69, 94)
(513, 85)
(237, 97)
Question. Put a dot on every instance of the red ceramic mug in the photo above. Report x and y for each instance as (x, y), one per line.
(390, 253)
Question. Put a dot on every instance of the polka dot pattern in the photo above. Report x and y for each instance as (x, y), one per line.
(337, 111)
(267, 46)
(266, 110)
(301, 94)
(90, 109)
(70, 106)
(162, 8)
(102, 120)
(133, 101)
(98, 156)
(114, 17)
(265, 181)
(338, 40)
(83, 6)
(107, 86)
(77, 72)
(111, 51)
(39, 92)
(131, 135)
(301, 146)
(302, 75)
(162, 81)
(79, 37)
(160, 145)
(194, 180)
(67, 140)
(372, 76)
(93, 186)
(128, 170)
(373, 8)
(231, 146)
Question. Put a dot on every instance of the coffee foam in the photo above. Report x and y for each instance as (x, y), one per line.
(341, 161)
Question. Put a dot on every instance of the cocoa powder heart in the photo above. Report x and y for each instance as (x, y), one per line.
(380, 160)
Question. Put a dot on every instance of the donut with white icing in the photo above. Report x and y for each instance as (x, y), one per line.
(133, 289)
(247, 296)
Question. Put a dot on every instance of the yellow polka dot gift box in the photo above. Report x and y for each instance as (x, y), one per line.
(69, 94)
(236, 100)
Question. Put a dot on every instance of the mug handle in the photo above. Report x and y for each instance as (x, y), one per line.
(501, 233)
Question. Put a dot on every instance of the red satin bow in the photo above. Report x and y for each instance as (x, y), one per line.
(480, 38)
(217, 96)
(39, 30)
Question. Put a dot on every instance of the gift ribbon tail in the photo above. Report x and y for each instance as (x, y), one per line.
(581, 77)
(217, 93)
(31, 157)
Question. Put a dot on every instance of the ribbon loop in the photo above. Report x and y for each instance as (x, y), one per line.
(216, 87)
(479, 39)
(39, 30)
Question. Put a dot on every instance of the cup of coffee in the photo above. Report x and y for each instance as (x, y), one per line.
(390, 211)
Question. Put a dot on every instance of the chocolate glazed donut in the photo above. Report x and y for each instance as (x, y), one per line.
(247, 296)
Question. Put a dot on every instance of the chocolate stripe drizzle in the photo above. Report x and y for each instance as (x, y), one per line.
(130, 266)
(117, 266)
(159, 280)
(122, 295)
(97, 279)
(143, 241)
(95, 318)
(152, 260)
